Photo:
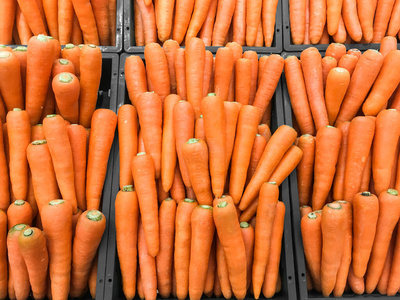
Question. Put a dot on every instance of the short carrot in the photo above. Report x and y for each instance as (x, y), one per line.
(19, 212)
(66, 90)
(135, 77)
(297, 17)
(348, 62)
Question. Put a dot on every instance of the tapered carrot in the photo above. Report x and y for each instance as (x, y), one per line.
(239, 22)
(90, 74)
(144, 178)
(337, 81)
(333, 12)
(55, 131)
(19, 212)
(197, 20)
(257, 150)
(248, 239)
(268, 20)
(164, 19)
(298, 95)
(211, 270)
(317, 20)
(76, 33)
(325, 39)
(4, 176)
(22, 27)
(389, 210)
(102, 17)
(93, 278)
(243, 81)
(231, 117)
(222, 286)
(230, 236)
(7, 9)
(287, 164)
(33, 16)
(393, 283)
(135, 76)
(252, 55)
(356, 284)
(183, 12)
(51, 12)
(381, 20)
(312, 70)
(214, 126)
(297, 16)
(280, 142)
(182, 246)
(157, 67)
(19, 132)
(139, 287)
(178, 188)
(384, 85)
(127, 132)
(223, 19)
(75, 218)
(66, 90)
(139, 30)
(84, 12)
(348, 62)
(58, 235)
(10, 76)
(394, 27)
(305, 168)
(253, 18)
(127, 212)
(180, 72)
(384, 279)
(327, 146)
(170, 47)
(366, 12)
(65, 20)
(388, 44)
(208, 25)
(3, 252)
(328, 63)
(363, 77)
(224, 63)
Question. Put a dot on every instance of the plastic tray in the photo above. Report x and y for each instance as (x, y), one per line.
(287, 39)
(130, 44)
(113, 287)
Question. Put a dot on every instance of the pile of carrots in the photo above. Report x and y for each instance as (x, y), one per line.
(343, 21)
(69, 21)
(344, 167)
(199, 177)
(216, 22)
(52, 168)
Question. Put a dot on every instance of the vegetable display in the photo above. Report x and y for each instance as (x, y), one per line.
(248, 23)
(52, 173)
(195, 173)
(69, 21)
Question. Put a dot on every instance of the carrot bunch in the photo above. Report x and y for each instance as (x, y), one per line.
(46, 157)
(69, 21)
(343, 21)
(190, 168)
(248, 23)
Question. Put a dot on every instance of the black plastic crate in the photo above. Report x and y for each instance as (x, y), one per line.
(130, 44)
(113, 287)
(118, 31)
(287, 39)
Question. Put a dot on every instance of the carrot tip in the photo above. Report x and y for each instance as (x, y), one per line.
(19, 202)
(56, 202)
(4, 54)
(127, 188)
(94, 215)
(222, 204)
(189, 200)
(393, 192)
(17, 109)
(206, 207)
(312, 215)
(244, 225)
(141, 153)
(39, 142)
(65, 78)
(192, 141)
(366, 193)
(28, 232)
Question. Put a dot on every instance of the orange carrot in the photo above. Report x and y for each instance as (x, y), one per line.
(183, 12)
(66, 90)
(388, 44)
(328, 63)
(19, 212)
(72, 53)
(305, 168)
(3, 257)
(317, 20)
(157, 68)
(135, 76)
(10, 76)
(381, 20)
(7, 11)
(102, 17)
(224, 63)
(223, 19)
(348, 62)
(268, 20)
(287, 164)
(297, 15)
(170, 47)
(339, 181)
(333, 13)
(253, 18)
(4, 177)
(337, 81)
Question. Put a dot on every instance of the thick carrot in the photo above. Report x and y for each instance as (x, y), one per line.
(127, 212)
(87, 21)
(164, 19)
(280, 142)
(214, 126)
(157, 68)
(317, 20)
(366, 12)
(225, 11)
(327, 146)
(57, 227)
(356, 284)
(19, 135)
(253, 18)
(339, 181)
(389, 210)
(272, 271)
(268, 20)
(224, 63)
(183, 12)
(102, 18)
(351, 19)
(384, 85)
(337, 81)
(197, 20)
(243, 81)
(127, 133)
(66, 90)
(135, 76)
(19, 212)
(62, 65)
(388, 44)
(7, 11)
(55, 131)
(328, 63)
(333, 13)
(298, 95)
(312, 70)
(363, 77)
(230, 236)
(51, 12)
(33, 16)
(297, 17)
(90, 75)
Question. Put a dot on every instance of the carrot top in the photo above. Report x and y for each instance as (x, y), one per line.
(65, 78)
(189, 200)
(244, 225)
(192, 141)
(206, 207)
(393, 192)
(64, 62)
(19, 202)
(366, 193)
(18, 227)
(39, 142)
(69, 46)
(222, 204)
(168, 199)
(127, 188)
(94, 215)
(28, 232)
(4, 54)
(312, 215)
(335, 205)
(56, 202)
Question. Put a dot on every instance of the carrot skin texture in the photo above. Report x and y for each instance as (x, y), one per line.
(223, 19)
(7, 11)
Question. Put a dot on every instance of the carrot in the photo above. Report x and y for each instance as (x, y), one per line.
(21, 53)
(222, 285)
(164, 17)
(198, 18)
(76, 33)
(139, 30)
(327, 146)
(287, 164)
(253, 18)
(337, 81)
(170, 47)
(19, 134)
(66, 89)
(58, 235)
(363, 77)
(224, 63)
(243, 81)
(230, 236)
(62, 65)
(388, 44)
(4, 177)
(325, 38)
(139, 287)
(268, 20)
(389, 211)
(248, 239)
(333, 13)
(19, 212)
(214, 126)
(178, 188)
(10, 76)
(339, 180)
(17, 266)
(127, 133)
(3, 252)
(231, 118)
(135, 76)
(384, 279)
(384, 148)
(272, 271)
(211, 270)
(297, 16)
(381, 20)
(87, 20)
(348, 62)
(7, 9)
(90, 74)
(239, 22)
(258, 148)
(223, 19)
(393, 283)
(22, 27)
(195, 154)
(33, 16)
(312, 70)
(252, 55)
(102, 18)
(384, 85)
(351, 19)
(72, 53)
(183, 245)
(93, 278)
(202, 227)
(65, 20)
(366, 12)
(246, 131)
(144, 178)
(355, 283)
(55, 131)
(32, 245)
(183, 12)
(43, 176)
(317, 20)
(180, 72)
(127, 212)
(75, 218)
(328, 63)
(157, 67)
(51, 12)
(298, 95)
(305, 168)
(280, 142)
(147, 266)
